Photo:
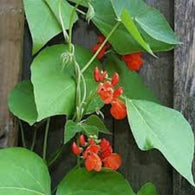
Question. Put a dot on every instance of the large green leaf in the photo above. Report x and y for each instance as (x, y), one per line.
(54, 88)
(148, 189)
(42, 19)
(105, 18)
(23, 173)
(82, 182)
(162, 128)
(21, 102)
(131, 82)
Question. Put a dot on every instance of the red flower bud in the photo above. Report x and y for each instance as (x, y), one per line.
(91, 141)
(82, 140)
(75, 149)
(103, 75)
(115, 79)
(97, 74)
(118, 92)
(118, 109)
(101, 39)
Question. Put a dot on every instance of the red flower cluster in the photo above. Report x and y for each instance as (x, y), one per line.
(97, 155)
(101, 39)
(110, 94)
(134, 61)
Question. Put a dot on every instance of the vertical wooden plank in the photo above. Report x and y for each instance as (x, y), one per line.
(11, 41)
(141, 167)
(184, 77)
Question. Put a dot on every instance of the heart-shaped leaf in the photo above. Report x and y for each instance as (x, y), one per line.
(23, 173)
(162, 128)
(54, 87)
(22, 104)
(82, 182)
(160, 37)
(43, 20)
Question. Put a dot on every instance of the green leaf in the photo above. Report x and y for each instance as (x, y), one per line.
(23, 173)
(21, 102)
(91, 126)
(105, 19)
(148, 189)
(131, 82)
(72, 128)
(162, 128)
(95, 121)
(82, 182)
(54, 88)
(148, 19)
(131, 27)
(48, 27)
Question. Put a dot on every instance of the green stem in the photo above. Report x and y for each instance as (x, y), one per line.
(100, 48)
(71, 23)
(55, 156)
(34, 139)
(66, 37)
(22, 134)
(81, 12)
(46, 139)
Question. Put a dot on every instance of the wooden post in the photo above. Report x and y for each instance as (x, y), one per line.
(142, 167)
(11, 44)
(184, 77)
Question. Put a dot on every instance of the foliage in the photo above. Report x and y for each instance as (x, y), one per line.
(67, 79)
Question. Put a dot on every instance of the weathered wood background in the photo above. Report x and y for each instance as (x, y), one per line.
(171, 76)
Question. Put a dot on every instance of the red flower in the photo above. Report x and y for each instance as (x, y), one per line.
(115, 79)
(118, 92)
(118, 109)
(134, 61)
(101, 39)
(91, 149)
(113, 161)
(105, 90)
(97, 154)
(93, 162)
(99, 76)
(106, 148)
(75, 149)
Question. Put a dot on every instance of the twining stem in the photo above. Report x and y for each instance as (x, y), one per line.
(34, 139)
(22, 134)
(56, 155)
(71, 23)
(66, 37)
(100, 48)
(46, 139)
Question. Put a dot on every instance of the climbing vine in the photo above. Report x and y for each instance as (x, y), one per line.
(70, 80)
